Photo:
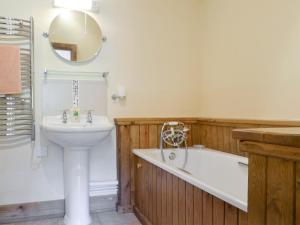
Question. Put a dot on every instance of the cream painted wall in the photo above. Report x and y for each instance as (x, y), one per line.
(155, 55)
(214, 58)
(151, 49)
(249, 65)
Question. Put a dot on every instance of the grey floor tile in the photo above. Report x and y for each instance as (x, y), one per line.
(40, 222)
(95, 220)
(114, 218)
(104, 218)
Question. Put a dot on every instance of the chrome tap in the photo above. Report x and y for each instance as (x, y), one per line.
(65, 116)
(173, 134)
(89, 118)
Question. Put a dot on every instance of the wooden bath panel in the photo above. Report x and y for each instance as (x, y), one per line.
(139, 133)
(144, 133)
(164, 199)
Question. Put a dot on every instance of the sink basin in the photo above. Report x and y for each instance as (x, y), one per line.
(81, 134)
(76, 139)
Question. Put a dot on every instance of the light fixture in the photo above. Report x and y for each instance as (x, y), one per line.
(120, 95)
(77, 4)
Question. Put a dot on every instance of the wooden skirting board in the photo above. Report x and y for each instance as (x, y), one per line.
(144, 133)
(50, 209)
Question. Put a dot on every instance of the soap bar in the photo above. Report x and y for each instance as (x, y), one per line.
(75, 115)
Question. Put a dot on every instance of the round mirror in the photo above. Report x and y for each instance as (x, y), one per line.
(75, 36)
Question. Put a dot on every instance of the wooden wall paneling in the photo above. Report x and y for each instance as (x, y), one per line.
(119, 167)
(134, 144)
(231, 215)
(153, 136)
(220, 138)
(181, 202)
(175, 197)
(139, 185)
(159, 127)
(196, 134)
(227, 139)
(145, 133)
(154, 195)
(274, 155)
(243, 218)
(164, 197)
(178, 202)
(280, 191)
(142, 186)
(150, 194)
(209, 137)
(159, 196)
(124, 168)
(189, 205)
(189, 135)
(144, 143)
(211, 121)
(218, 211)
(204, 134)
(270, 150)
(233, 143)
(257, 189)
(136, 182)
(169, 199)
(214, 137)
(207, 209)
(298, 193)
(198, 212)
(146, 189)
(144, 136)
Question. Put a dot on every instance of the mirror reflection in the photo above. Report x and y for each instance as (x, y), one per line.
(75, 36)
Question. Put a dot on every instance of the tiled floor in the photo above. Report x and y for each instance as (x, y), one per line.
(105, 218)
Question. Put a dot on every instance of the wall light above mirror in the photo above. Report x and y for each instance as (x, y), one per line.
(75, 36)
(91, 5)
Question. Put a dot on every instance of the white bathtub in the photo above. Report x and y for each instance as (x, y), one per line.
(220, 174)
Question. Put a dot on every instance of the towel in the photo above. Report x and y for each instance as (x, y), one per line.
(10, 70)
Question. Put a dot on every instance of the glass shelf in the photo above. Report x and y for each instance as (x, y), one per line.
(74, 75)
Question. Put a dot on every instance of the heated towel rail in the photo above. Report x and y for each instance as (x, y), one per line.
(17, 111)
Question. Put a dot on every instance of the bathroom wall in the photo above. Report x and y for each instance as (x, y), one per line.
(249, 65)
(150, 49)
(213, 58)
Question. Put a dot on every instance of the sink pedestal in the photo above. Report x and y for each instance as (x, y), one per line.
(76, 139)
(76, 182)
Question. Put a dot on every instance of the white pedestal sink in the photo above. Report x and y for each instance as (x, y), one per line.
(76, 140)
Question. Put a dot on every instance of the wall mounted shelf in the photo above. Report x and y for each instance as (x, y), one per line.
(74, 75)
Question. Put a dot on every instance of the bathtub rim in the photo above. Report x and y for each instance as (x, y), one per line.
(142, 153)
